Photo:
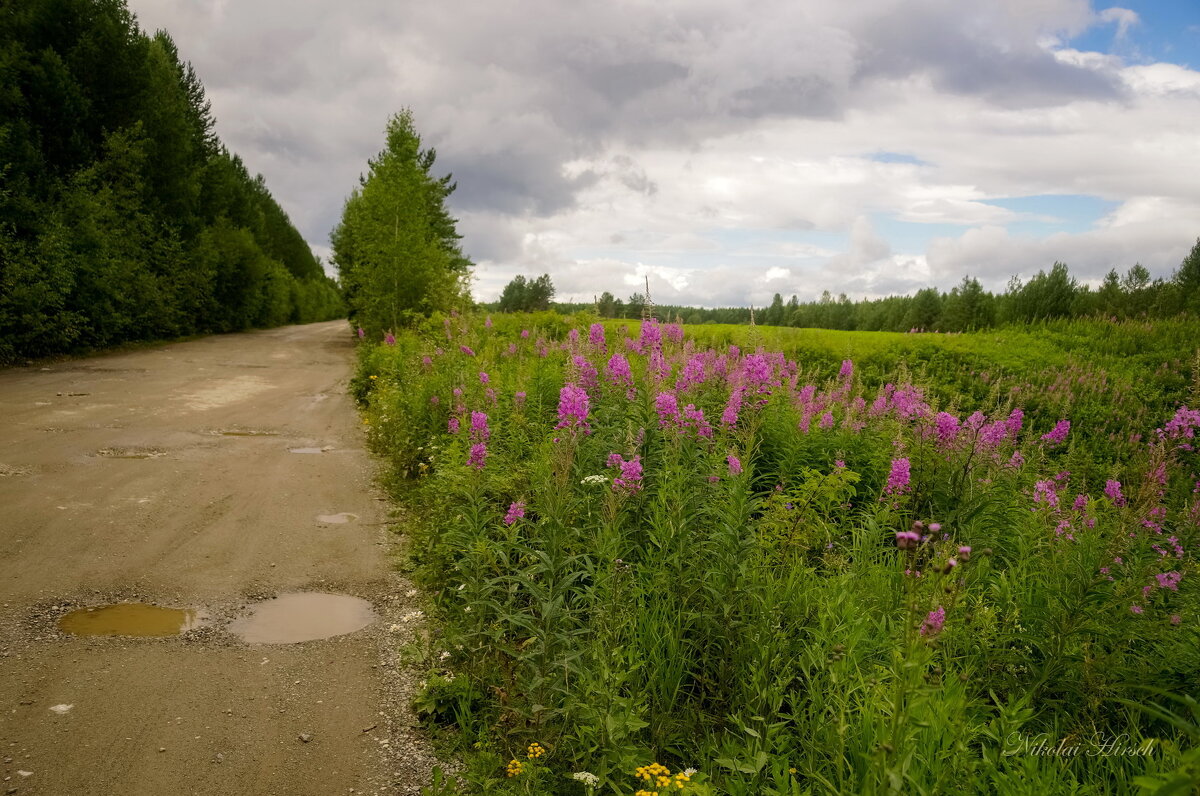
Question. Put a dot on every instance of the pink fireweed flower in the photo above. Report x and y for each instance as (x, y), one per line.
(478, 456)
(1113, 490)
(735, 465)
(1169, 580)
(674, 332)
(934, 527)
(908, 403)
(519, 398)
(487, 324)
(617, 371)
(839, 464)
(1176, 619)
(1016, 460)
(667, 407)
(933, 622)
(587, 372)
(630, 479)
(1137, 609)
(1080, 503)
(490, 394)
(826, 421)
(511, 350)
(730, 416)
(847, 369)
(898, 478)
(467, 350)
(992, 435)
(484, 378)
(426, 360)
(947, 427)
(651, 336)
(1014, 422)
(1057, 434)
(361, 333)
(693, 418)
(452, 426)
(756, 369)
(907, 540)
(596, 335)
(516, 511)
(524, 334)
(433, 399)
(479, 426)
(573, 336)
(389, 338)
(573, 406)
(1044, 492)
(693, 372)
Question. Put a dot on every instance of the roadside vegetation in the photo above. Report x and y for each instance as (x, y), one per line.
(744, 561)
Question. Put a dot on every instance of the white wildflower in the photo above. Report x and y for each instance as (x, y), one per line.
(592, 480)
(411, 616)
(587, 778)
(689, 771)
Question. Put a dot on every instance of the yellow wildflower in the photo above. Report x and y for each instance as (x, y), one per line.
(515, 767)
(536, 750)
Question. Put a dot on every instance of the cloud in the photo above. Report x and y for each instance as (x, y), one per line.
(715, 147)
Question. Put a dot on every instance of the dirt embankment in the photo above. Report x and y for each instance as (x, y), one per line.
(168, 476)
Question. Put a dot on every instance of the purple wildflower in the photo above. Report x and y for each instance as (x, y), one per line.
(1137, 609)
(389, 338)
(467, 350)
(516, 511)
(906, 540)
(847, 369)
(674, 332)
(730, 416)
(735, 465)
(947, 427)
(478, 456)
(666, 406)
(630, 479)
(519, 398)
(1058, 433)
(826, 420)
(1014, 422)
(1044, 492)
(934, 622)
(1169, 580)
(898, 478)
(756, 369)
(484, 378)
(596, 335)
(573, 406)
(524, 334)
(479, 426)
(1113, 490)
(452, 426)
(361, 333)
(617, 370)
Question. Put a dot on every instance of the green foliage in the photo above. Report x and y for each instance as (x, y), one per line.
(530, 295)
(395, 247)
(760, 622)
(119, 205)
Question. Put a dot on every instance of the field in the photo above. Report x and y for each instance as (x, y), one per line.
(739, 560)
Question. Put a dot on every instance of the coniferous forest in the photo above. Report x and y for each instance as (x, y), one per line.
(122, 215)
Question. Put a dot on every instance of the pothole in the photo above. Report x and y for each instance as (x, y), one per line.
(302, 616)
(337, 519)
(130, 453)
(131, 619)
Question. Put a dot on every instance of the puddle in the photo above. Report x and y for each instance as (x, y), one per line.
(130, 619)
(130, 453)
(308, 450)
(246, 433)
(337, 519)
(302, 616)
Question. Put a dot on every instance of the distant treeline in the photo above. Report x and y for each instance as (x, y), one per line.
(122, 216)
(967, 307)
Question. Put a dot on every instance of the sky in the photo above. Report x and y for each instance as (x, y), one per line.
(731, 151)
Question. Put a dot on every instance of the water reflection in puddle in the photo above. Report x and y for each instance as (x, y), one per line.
(130, 619)
(337, 519)
(306, 450)
(302, 616)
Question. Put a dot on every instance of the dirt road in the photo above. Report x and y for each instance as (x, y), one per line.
(166, 476)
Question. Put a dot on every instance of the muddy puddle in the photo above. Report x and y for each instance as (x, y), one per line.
(245, 432)
(336, 519)
(309, 450)
(302, 616)
(131, 619)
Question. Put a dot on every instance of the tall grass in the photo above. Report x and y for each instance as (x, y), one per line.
(789, 573)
